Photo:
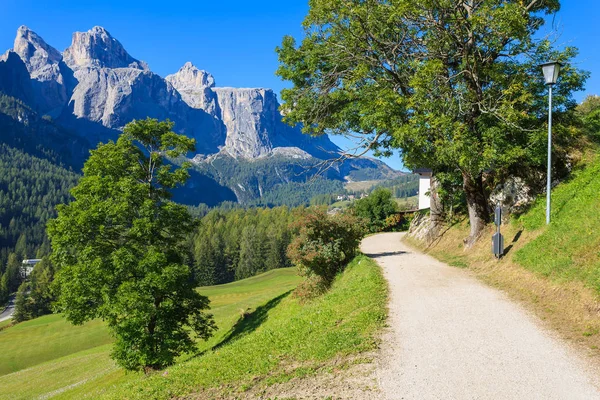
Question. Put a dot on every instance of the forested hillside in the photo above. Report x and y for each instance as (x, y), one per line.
(30, 188)
(401, 187)
(237, 244)
(275, 180)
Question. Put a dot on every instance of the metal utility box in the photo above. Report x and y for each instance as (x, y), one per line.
(498, 239)
(498, 244)
(498, 216)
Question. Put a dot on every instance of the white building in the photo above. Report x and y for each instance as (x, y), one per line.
(424, 187)
(28, 265)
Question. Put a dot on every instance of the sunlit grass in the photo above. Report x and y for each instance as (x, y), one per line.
(48, 355)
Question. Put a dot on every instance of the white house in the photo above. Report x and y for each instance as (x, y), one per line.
(424, 186)
(28, 266)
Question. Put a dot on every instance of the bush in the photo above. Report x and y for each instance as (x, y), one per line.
(325, 244)
(376, 209)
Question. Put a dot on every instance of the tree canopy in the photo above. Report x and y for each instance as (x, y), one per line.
(455, 84)
(120, 248)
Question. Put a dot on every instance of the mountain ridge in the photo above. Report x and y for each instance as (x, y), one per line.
(95, 87)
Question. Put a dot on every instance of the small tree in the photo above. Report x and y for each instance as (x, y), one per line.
(376, 209)
(119, 248)
(325, 244)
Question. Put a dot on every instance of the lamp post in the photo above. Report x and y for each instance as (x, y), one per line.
(550, 70)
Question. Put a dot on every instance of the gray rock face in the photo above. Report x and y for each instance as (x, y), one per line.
(97, 48)
(513, 196)
(43, 63)
(114, 97)
(250, 117)
(14, 78)
(34, 51)
(95, 88)
(195, 87)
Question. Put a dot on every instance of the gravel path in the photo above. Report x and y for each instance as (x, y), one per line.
(452, 337)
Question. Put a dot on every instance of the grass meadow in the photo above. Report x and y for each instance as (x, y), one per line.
(49, 357)
(266, 336)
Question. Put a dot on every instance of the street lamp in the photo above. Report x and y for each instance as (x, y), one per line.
(551, 71)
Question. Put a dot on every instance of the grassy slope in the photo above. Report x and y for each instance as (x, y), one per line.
(360, 185)
(280, 340)
(570, 248)
(555, 270)
(71, 361)
(46, 338)
(408, 203)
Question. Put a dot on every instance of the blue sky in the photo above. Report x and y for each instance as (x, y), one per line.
(234, 40)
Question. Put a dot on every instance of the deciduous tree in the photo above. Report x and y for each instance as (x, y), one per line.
(119, 248)
(455, 84)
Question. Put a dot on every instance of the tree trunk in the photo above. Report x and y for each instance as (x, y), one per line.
(479, 212)
(436, 208)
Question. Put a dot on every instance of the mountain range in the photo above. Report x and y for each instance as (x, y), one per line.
(64, 103)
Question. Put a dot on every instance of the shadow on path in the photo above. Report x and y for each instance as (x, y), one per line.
(385, 254)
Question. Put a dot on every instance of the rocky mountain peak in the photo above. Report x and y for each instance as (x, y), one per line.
(189, 76)
(96, 48)
(34, 51)
(195, 86)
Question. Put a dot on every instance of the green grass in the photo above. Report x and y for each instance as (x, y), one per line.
(5, 323)
(341, 204)
(46, 338)
(569, 249)
(360, 185)
(49, 356)
(408, 203)
(281, 339)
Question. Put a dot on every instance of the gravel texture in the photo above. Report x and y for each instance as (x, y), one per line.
(452, 337)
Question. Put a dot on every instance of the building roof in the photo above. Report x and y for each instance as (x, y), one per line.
(422, 171)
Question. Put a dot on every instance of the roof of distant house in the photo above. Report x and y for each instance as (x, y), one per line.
(422, 171)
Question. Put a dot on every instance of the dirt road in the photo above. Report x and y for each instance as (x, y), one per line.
(452, 337)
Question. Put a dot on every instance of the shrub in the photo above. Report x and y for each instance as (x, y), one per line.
(325, 244)
(376, 209)
(397, 222)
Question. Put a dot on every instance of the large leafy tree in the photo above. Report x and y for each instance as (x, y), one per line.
(455, 84)
(119, 248)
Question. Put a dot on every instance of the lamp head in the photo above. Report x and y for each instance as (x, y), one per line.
(551, 70)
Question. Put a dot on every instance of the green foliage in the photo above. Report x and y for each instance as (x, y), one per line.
(119, 248)
(294, 194)
(325, 244)
(267, 346)
(272, 181)
(456, 86)
(376, 209)
(11, 279)
(35, 296)
(589, 112)
(33, 180)
(239, 243)
(30, 188)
